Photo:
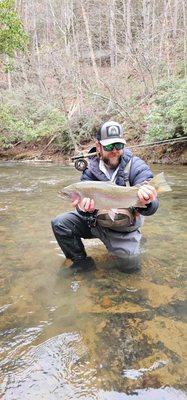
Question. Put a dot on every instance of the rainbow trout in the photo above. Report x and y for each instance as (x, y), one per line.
(108, 195)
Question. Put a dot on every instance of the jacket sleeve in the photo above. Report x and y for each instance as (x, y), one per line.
(87, 175)
(140, 172)
(150, 209)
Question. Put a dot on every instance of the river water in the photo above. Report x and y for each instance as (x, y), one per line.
(100, 335)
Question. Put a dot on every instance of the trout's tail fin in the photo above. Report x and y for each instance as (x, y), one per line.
(160, 184)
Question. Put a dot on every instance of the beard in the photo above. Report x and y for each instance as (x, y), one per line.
(112, 162)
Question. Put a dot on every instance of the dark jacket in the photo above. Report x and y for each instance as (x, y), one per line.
(139, 172)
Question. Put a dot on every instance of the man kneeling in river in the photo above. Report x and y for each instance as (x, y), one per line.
(115, 163)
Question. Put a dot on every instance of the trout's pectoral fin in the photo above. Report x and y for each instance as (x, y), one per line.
(112, 212)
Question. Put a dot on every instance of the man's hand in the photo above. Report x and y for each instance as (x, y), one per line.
(86, 204)
(147, 193)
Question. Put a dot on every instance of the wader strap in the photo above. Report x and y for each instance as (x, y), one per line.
(127, 171)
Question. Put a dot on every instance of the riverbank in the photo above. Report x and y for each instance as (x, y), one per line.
(162, 154)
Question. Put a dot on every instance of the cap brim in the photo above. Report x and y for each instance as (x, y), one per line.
(113, 140)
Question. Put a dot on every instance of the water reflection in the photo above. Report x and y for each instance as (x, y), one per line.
(101, 335)
(58, 366)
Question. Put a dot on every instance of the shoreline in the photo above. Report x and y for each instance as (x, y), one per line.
(173, 155)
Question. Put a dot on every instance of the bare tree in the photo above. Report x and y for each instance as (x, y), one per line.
(86, 22)
(112, 33)
(185, 35)
(79, 47)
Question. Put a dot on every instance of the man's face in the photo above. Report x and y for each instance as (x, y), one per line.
(110, 158)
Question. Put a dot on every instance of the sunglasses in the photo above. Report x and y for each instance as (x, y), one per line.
(117, 146)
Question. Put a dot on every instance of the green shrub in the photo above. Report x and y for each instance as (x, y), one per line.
(12, 34)
(26, 128)
(167, 117)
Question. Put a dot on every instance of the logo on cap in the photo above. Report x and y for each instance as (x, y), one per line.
(113, 131)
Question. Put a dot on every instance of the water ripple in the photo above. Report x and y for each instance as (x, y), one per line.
(144, 394)
(137, 373)
(17, 188)
(63, 360)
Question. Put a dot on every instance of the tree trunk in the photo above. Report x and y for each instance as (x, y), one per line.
(85, 18)
(185, 35)
(153, 34)
(146, 19)
(112, 33)
(128, 24)
(175, 17)
(68, 17)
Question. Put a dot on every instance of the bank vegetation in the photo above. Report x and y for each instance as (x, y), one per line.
(69, 65)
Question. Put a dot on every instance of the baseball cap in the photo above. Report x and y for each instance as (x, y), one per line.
(110, 132)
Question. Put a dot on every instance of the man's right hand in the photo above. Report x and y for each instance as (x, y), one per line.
(86, 204)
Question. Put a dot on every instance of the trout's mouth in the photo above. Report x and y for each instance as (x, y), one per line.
(64, 194)
(73, 195)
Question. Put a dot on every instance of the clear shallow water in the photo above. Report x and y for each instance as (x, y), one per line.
(101, 335)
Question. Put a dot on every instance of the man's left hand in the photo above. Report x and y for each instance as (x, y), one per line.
(147, 193)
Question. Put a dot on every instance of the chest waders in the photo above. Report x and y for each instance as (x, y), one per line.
(70, 227)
